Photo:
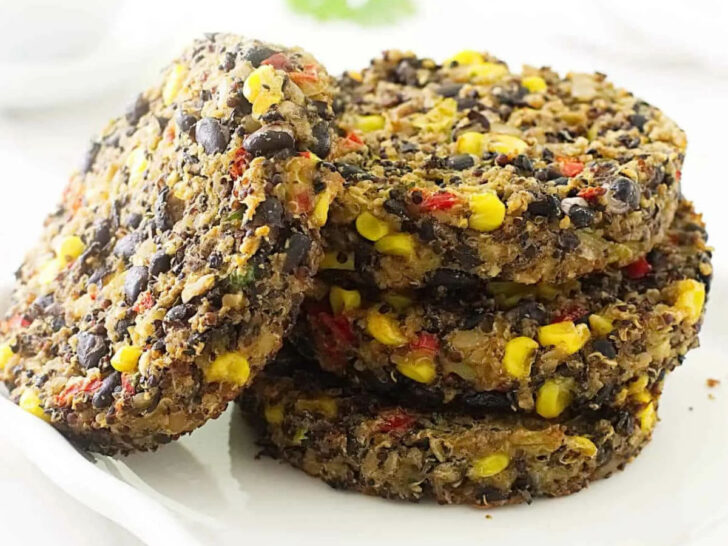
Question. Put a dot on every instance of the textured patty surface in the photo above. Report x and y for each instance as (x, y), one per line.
(361, 442)
(528, 177)
(174, 265)
(504, 345)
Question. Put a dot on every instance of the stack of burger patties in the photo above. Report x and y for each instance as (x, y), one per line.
(511, 271)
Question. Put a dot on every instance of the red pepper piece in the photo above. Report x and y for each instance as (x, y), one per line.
(308, 75)
(570, 167)
(240, 163)
(353, 140)
(66, 395)
(126, 385)
(425, 342)
(592, 193)
(19, 321)
(339, 326)
(638, 269)
(144, 303)
(278, 61)
(398, 421)
(572, 313)
(439, 201)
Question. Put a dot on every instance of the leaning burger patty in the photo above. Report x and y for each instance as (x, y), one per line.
(173, 267)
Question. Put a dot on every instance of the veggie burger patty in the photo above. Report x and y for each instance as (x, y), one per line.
(175, 263)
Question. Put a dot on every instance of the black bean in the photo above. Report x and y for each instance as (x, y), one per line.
(179, 313)
(159, 263)
(105, 395)
(490, 400)
(527, 310)
(90, 157)
(257, 53)
(406, 146)
(211, 135)
(162, 219)
(426, 230)
(268, 141)
(548, 173)
(523, 163)
(135, 283)
(126, 246)
(560, 181)
(638, 120)
(228, 62)
(460, 162)
(296, 251)
(321, 139)
(452, 278)
(269, 213)
(449, 89)
(548, 206)
(625, 423)
(133, 220)
(605, 347)
(625, 191)
(547, 155)
(91, 349)
(466, 102)
(568, 240)
(136, 110)
(185, 122)
(102, 233)
(350, 172)
(396, 205)
(581, 216)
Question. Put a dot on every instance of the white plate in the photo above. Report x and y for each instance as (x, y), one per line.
(208, 488)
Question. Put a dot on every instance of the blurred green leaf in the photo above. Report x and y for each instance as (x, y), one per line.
(369, 12)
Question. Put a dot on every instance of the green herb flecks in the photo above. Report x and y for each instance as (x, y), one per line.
(240, 279)
(368, 13)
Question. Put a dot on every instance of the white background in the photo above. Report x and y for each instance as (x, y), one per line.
(67, 66)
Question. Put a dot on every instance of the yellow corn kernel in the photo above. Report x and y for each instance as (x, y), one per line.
(506, 144)
(385, 329)
(344, 300)
(370, 227)
(6, 353)
(31, 402)
(399, 301)
(566, 335)
(490, 465)
(228, 368)
(299, 436)
(487, 212)
(534, 84)
(417, 365)
(254, 84)
(466, 57)
(437, 119)
(137, 163)
(70, 249)
(263, 88)
(638, 385)
(691, 298)
(642, 397)
(554, 397)
(49, 271)
(274, 414)
(600, 324)
(174, 83)
(647, 417)
(126, 358)
(370, 123)
(331, 261)
(583, 445)
(321, 208)
(354, 75)
(518, 356)
(471, 142)
(396, 244)
(487, 72)
(325, 405)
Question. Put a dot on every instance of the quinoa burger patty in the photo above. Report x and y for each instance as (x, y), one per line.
(501, 345)
(364, 443)
(175, 263)
(529, 177)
